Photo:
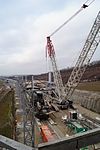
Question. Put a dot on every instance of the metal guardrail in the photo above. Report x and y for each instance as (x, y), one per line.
(6, 143)
(74, 142)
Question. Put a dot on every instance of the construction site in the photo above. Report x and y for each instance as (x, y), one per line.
(53, 114)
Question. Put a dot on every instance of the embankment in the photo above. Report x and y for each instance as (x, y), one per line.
(87, 99)
(7, 114)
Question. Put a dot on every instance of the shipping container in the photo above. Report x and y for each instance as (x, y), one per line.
(46, 133)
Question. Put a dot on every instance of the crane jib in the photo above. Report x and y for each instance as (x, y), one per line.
(85, 5)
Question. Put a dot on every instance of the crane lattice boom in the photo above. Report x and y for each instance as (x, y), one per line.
(56, 72)
(87, 52)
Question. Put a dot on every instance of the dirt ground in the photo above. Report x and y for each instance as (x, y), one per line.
(87, 112)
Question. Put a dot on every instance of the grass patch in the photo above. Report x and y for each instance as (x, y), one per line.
(1, 83)
(5, 115)
(6, 130)
(90, 86)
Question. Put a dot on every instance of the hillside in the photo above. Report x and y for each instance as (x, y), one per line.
(90, 86)
(92, 73)
(6, 109)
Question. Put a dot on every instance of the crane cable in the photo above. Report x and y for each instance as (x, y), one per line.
(85, 5)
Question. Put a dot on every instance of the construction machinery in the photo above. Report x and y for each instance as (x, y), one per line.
(93, 40)
(85, 56)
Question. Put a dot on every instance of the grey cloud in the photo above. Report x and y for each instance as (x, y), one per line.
(22, 42)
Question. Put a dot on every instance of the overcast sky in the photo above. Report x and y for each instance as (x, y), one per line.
(25, 24)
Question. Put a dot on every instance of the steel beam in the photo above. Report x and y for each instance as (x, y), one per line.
(85, 56)
(74, 142)
(28, 111)
(13, 145)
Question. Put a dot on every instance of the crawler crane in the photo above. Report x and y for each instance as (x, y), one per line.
(87, 52)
